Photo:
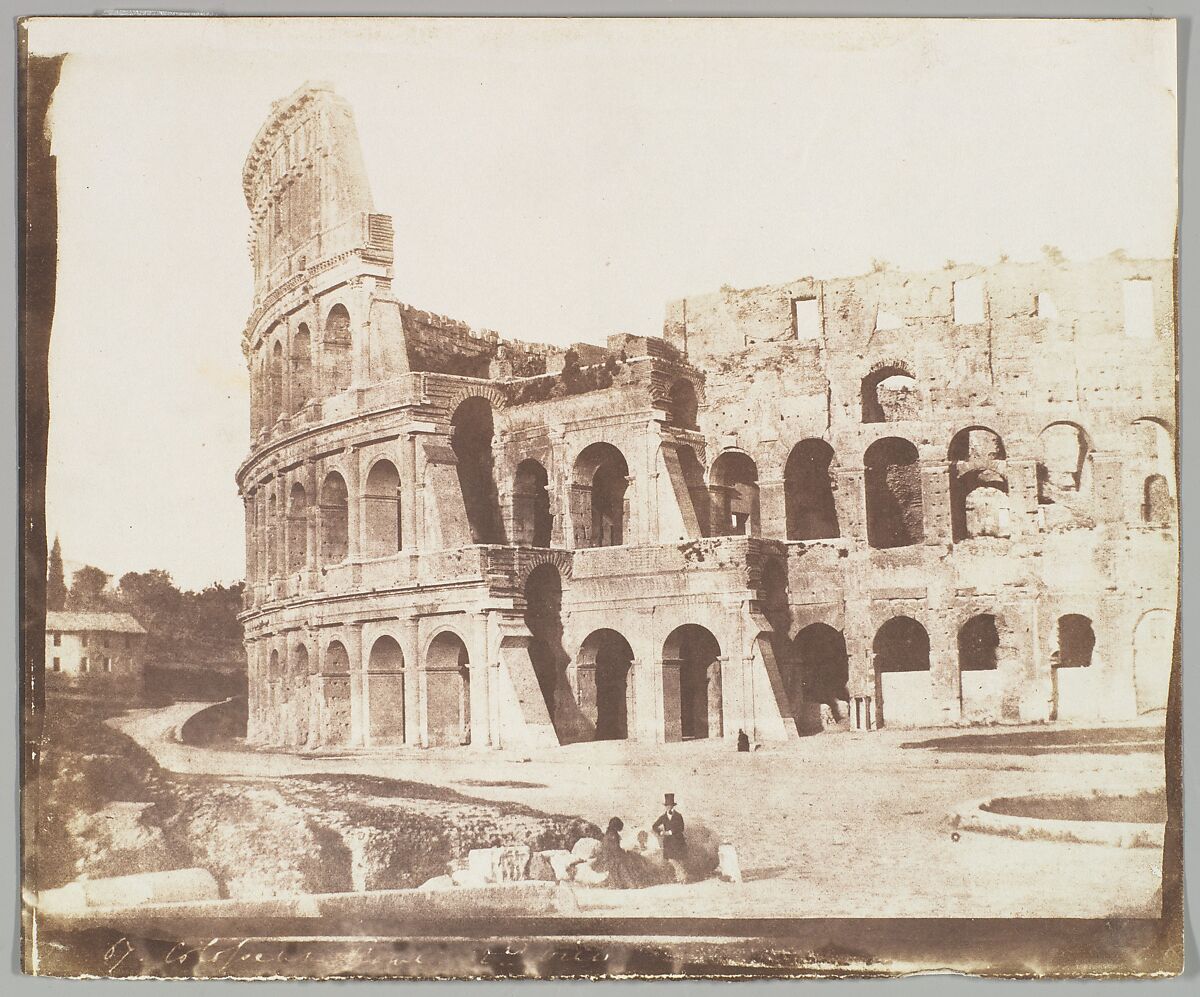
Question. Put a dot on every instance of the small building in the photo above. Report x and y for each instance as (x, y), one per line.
(94, 651)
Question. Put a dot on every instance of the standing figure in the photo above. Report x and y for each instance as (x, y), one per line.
(669, 828)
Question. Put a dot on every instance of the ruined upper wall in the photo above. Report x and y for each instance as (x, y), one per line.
(307, 190)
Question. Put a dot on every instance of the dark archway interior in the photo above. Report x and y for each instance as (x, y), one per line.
(338, 346)
(471, 438)
(901, 645)
(612, 658)
(532, 519)
(603, 473)
(825, 666)
(1076, 641)
(892, 477)
(808, 492)
(978, 644)
(735, 495)
(683, 407)
(301, 368)
(698, 654)
(448, 690)
(890, 394)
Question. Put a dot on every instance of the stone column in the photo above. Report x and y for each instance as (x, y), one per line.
(480, 712)
(935, 500)
(772, 508)
(409, 492)
(353, 505)
(414, 707)
(352, 637)
(851, 499)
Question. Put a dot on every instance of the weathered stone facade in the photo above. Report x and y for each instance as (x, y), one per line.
(894, 498)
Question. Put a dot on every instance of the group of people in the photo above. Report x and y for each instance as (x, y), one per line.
(632, 868)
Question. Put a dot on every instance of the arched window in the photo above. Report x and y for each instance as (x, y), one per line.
(978, 486)
(448, 690)
(890, 394)
(301, 368)
(824, 666)
(382, 510)
(336, 670)
(385, 692)
(1076, 642)
(334, 522)
(599, 496)
(1062, 463)
(471, 438)
(895, 512)
(901, 645)
(338, 347)
(610, 657)
(692, 683)
(276, 381)
(808, 492)
(978, 644)
(1157, 506)
(297, 543)
(683, 407)
(734, 484)
(532, 519)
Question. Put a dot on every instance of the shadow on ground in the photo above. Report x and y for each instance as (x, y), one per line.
(1098, 740)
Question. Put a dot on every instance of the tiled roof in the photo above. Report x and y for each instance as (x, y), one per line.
(79, 622)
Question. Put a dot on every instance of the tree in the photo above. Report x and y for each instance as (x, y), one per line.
(56, 585)
(87, 589)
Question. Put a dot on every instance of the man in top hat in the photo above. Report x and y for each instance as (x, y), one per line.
(669, 828)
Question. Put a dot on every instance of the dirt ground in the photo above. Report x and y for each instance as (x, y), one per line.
(837, 825)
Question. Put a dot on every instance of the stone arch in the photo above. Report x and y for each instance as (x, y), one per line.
(600, 496)
(808, 492)
(1153, 463)
(274, 536)
(471, 433)
(528, 562)
(1062, 470)
(892, 478)
(334, 510)
(1077, 682)
(297, 528)
(901, 659)
(490, 394)
(692, 697)
(335, 678)
(823, 668)
(448, 689)
(381, 510)
(1153, 653)
(606, 659)
(337, 345)
(979, 644)
(276, 381)
(385, 692)
(533, 521)
(733, 481)
(683, 405)
(978, 485)
(890, 393)
(299, 692)
(301, 368)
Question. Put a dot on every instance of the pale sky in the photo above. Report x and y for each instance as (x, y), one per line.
(555, 181)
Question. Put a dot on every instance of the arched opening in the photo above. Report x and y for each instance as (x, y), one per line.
(691, 684)
(338, 347)
(901, 652)
(301, 368)
(276, 381)
(448, 691)
(532, 520)
(978, 644)
(543, 617)
(890, 394)
(381, 510)
(683, 404)
(471, 437)
(734, 484)
(297, 528)
(599, 496)
(298, 678)
(607, 655)
(335, 537)
(808, 492)
(892, 477)
(824, 667)
(385, 692)
(335, 678)
(1158, 508)
(1076, 642)
(1062, 463)
(978, 486)
(273, 536)
(1153, 649)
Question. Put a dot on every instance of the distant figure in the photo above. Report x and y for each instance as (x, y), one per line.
(743, 741)
(669, 828)
(613, 859)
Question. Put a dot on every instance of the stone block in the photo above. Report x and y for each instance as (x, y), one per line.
(437, 883)
(585, 848)
(499, 865)
(151, 887)
(468, 877)
(727, 864)
(541, 864)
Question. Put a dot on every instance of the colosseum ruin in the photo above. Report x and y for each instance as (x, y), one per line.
(902, 499)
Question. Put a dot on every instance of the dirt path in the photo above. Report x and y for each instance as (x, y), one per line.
(834, 825)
